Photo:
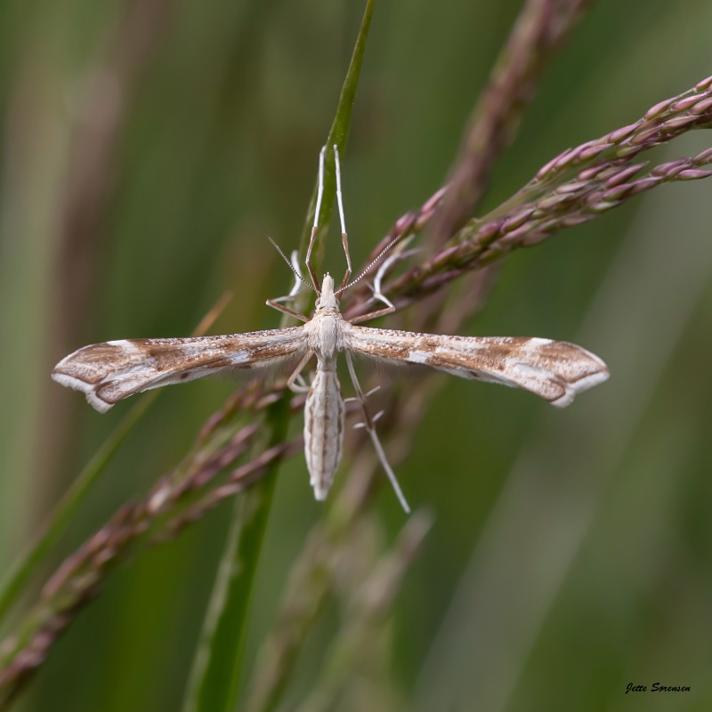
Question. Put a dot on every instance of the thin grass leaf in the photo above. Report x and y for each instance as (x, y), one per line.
(215, 678)
(216, 673)
(339, 131)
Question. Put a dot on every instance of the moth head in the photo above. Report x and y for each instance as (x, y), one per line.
(327, 298)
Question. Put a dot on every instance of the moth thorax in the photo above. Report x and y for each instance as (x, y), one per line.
(327, 337)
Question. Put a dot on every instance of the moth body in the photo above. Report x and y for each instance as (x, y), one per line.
(324, 406)
(323, 427)
(111, 371)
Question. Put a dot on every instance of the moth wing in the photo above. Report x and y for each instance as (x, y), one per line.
(553, 370)
(111, 371)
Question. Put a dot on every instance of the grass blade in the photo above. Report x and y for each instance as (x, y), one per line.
(339, 130)
(215, 678)
(216, 674)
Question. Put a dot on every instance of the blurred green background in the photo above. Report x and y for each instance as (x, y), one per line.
(571, 551)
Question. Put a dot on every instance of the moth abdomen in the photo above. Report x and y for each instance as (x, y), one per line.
(323, 430)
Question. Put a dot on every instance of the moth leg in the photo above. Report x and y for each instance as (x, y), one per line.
(275, 304)
(374, 314)
(370, 427)
(301, 385)
(295, 382)
(342, 219)
(315, 225)
(376, 418)
(399, 254)
(366, 395)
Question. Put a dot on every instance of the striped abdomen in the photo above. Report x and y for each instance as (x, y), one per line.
(323, 430)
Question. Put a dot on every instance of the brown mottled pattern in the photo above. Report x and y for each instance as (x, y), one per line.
(553, 370)
(112, 371)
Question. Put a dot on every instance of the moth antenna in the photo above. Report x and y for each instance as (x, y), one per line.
(293, 265)
(395, 241)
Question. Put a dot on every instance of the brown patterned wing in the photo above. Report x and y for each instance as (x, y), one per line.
(108, 372)
(553, 370)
